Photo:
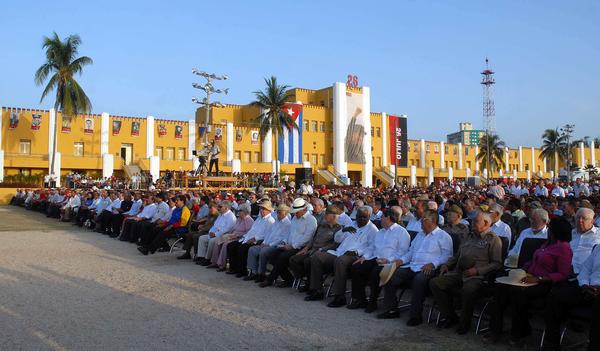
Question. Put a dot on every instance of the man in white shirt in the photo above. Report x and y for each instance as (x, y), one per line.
(146, 214)
(515, 189)
(237, 251)
(580, 188)
(353, 244)
(499, 228)
(389, 244)
(540, 189)
(586, 295)
(259, 255)
(224, 224)
(584, 237)
(302, 229)
(539, 219)
(431, 248)
(558, 191)
(414, 225)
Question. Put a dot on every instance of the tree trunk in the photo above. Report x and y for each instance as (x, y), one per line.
(276, 149)
(556, 163)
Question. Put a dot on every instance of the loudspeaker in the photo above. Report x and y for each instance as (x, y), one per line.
(473, 181)
(303, 174)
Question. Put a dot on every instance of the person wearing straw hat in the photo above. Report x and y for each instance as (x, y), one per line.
(431, 248)
(389, 244)
(353, 243)
(302, 230)
(237, 251)
(322, 241)
(550, 265)
(464, 273)
(259, 255)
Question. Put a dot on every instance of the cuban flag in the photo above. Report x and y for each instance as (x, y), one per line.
(289, 145)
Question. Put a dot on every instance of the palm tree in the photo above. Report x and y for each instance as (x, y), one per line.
(272, 118)
(597, 142)
(554, 147)
(495, 154)
(61, 65)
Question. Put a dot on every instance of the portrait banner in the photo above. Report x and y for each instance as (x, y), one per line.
(355, 132)
(135, 128)
(398, 138)
(116, 127)
(36, 122)
(66, 124)
(238, 135)
(178, 132)
(254, 137)
(218, 133)
(88, 127)
(14, 120)
(162, 130)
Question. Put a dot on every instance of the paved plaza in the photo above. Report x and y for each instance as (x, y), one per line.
(64, 288)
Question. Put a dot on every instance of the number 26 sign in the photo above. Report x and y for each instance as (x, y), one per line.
(352, 81)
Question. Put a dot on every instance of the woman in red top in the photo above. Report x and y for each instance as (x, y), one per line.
(551, 264)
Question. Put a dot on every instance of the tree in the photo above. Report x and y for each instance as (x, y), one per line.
(554, 147)
(597, 143)
(272, 118)
(61, 65)
(590, 170)
(495, 154)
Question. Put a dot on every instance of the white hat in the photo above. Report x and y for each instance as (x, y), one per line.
(386, 273)
(515, 277)
(298, 205)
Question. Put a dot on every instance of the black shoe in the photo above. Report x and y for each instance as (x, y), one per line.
(462, 329)
(197, 259)
(250, 277)
(239, 275)
(448, 322)
(185, 256)
(303, 288)
(371, 307)
(212, 265)
(265, 283)
(391, 314)
(260, 278)
(338, 301)
(143, 250)
(413, 322)
(356, 304)
(314, 296)
(205, 263)
(220, 269)
(284, 284)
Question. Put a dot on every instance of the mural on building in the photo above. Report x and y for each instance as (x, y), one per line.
(116, 127)
(14, 120)
(178, 132)
(356, 129)
(88, 126)
(162, 130)
(36, 122)
(254, 137)
(66, 124)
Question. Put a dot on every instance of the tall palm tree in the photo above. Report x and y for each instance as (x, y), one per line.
(597, 142)
(61, 65)
(491, 149)
(554, 147)
(272, 118)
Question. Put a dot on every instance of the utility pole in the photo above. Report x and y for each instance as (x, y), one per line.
(489, 110)
(209, 89)
(567, 130)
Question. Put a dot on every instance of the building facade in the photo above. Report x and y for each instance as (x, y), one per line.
(338, 137)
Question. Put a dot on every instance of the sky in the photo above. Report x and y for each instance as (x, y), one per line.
(420, 58)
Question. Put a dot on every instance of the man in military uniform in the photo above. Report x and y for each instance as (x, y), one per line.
(453, 226)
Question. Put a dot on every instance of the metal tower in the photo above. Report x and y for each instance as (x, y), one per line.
(489, 111)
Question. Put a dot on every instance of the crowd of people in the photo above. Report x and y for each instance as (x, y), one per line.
(523, 249)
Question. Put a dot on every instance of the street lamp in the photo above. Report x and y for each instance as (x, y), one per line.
(208, 89)
(567, 130)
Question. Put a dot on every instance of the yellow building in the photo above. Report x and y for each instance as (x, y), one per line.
(338, 137)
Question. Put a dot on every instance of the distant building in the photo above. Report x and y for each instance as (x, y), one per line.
(466, 135)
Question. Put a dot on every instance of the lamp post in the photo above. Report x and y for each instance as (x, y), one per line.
(567, 130)
(209, 89)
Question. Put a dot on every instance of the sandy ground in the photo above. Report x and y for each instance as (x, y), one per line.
(63, 288)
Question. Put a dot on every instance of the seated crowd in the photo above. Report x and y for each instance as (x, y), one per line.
(525, 253)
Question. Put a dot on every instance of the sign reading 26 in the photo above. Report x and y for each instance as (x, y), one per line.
(352, 81)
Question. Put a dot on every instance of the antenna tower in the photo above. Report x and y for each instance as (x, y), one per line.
(489, 110)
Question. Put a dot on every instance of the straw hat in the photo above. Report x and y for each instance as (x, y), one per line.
(266, 204)
(514, 278)
(298, 205)
(386, 273)
(283, 207)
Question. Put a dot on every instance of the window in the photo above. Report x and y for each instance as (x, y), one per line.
(159, 152)
(305, 158)
(469, 164)
(306, 126)
(169, 153)
(427, 148)
(446, 149)
(378, 161)
(236, 155)
(25, 147)
(436, 148)
(322, 126)
(313, 159)
(432, 164)
(181, 154)
(256, 157)
(322, 159)
(25, 171)
(378, 132)
(416, 147)
(246, 157)
(372, 131)
(78, 149)
(313, 126)
(466, 150)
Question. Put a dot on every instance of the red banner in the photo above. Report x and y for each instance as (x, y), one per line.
(398, 141)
